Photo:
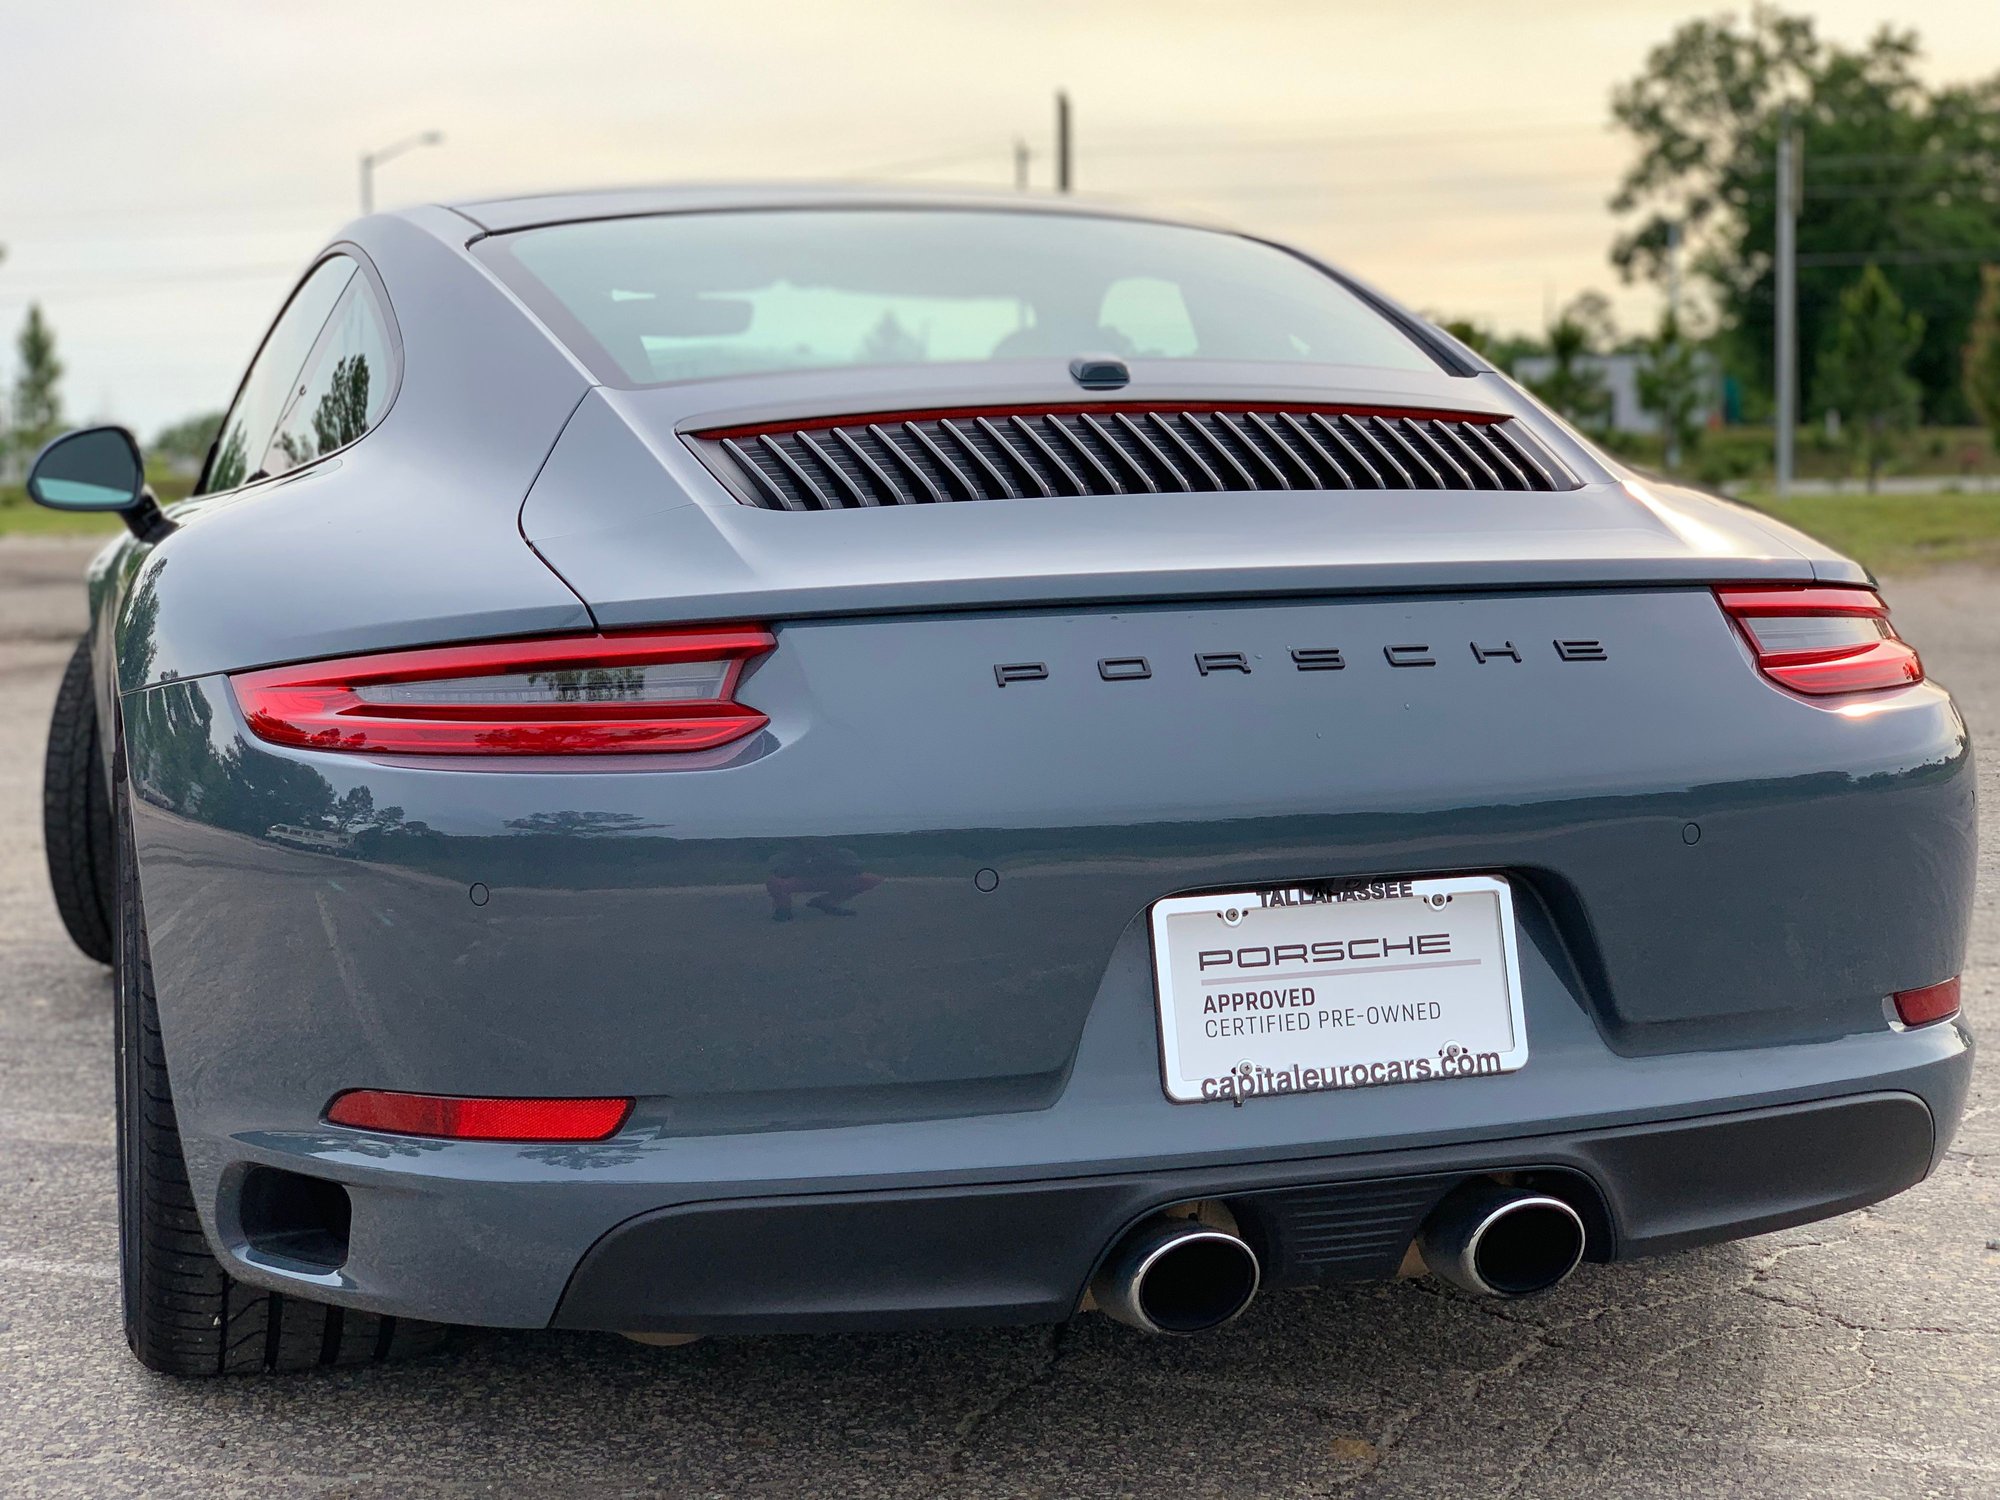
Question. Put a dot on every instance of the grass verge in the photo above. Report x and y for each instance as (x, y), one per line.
(20, 516)
(1898, 533)
(1889, 533)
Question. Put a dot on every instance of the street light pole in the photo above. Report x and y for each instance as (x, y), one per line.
(1063, 147)
(370, 160)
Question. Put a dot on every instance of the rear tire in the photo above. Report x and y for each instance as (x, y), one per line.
(185, 1314)
(76, 814)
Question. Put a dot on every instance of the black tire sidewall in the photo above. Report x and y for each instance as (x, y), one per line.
(128, 1000)
(78, 838)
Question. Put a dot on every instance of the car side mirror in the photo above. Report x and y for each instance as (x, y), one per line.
(98, 469)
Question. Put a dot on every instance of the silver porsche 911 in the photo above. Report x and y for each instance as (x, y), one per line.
(730, 760)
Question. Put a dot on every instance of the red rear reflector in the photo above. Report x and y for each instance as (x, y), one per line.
(637, 693)
(1934, 1002)
(479, 1119)
(1822, 640)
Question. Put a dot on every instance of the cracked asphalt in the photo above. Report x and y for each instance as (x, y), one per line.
(1859, 1357)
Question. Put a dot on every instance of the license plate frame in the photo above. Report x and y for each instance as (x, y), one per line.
(1452, 924)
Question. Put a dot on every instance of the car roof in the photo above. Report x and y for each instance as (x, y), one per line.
(499, 215)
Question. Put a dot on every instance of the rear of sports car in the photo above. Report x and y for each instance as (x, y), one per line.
(1023, 834)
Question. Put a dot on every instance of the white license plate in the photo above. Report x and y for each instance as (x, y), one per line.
(1344, 984)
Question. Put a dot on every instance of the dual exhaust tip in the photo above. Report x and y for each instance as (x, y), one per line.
(1179, 1276)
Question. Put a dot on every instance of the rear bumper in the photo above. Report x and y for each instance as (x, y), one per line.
(773, 1236)
(1023, 1252)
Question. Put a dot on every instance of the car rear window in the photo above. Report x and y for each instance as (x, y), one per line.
(694, 296)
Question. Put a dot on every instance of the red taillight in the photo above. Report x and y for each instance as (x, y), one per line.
(1934, 1002)
(1821, 640)
(636, 693)
(479, 1119)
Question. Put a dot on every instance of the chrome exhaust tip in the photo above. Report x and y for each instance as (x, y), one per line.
(1498, 1241)
(1176, 1276)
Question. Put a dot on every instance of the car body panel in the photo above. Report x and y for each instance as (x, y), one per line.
(627, 943)
(1718, 881)
(641, 531)
(408, 536)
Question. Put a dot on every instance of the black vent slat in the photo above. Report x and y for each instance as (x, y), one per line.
(780, 497)
(887, 483)
(1124, 449)
(808, 486)
(1422, 434)
(1170, 429)
(942, 459)
(1232, 433)
(1056, 462)
(1363, 465)
(1074, 441)
(856, 491)
(1304, 434)
(981, 460)
(1528, 453)
(1004, 446)
(1362, 431)
(1476, 435)
(1392, 429)
(1314, 479)
(1200, 428)
(1134, 466)
(909, 465)
(1152, 450)
(1461, 449)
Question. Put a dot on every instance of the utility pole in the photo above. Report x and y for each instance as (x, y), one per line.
(1674, 231)
(1020, 165)
(370, 160)
(1673, 330)
(1063, 178)
(1788, 300)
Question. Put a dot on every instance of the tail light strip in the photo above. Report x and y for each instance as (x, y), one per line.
(1934, 1002)
(1822, 640)
(449, 1117)
(643, 692)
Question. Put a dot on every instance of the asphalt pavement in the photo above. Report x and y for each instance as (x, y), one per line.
(1859, 1357)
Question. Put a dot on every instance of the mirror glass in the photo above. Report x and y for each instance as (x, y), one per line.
(95, 469)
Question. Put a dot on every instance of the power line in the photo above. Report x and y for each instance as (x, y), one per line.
(1457, 187)
(1156, 146)
(1981, 160)
(134, 282)
(930, 163)
(1896, 158)
(1901, 257)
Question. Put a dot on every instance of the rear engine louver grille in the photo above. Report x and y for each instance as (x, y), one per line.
(936, 457)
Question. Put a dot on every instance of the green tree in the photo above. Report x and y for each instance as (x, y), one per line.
(1865, 367)
(1982, 354)
(1501, 350)
(186, 442)
(1475, 336)
(1893, 169)
(6, 435)
(38, 383)
(1581, 329)
(1672, 384)
(342, 413)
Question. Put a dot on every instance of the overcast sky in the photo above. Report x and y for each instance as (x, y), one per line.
(167, 168)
